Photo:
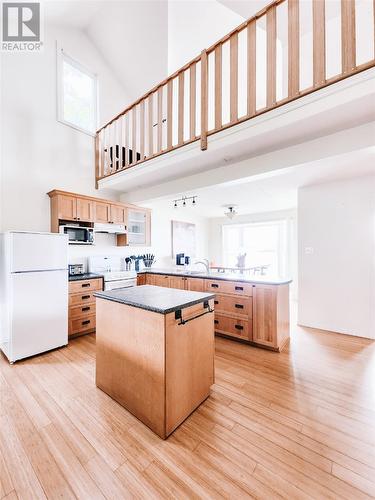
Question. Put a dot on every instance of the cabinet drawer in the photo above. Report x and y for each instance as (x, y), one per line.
(81, 325)
(239, 328)
(238, 306)
(76, 299)
(78, 286)
(234, 287)
(82, 311)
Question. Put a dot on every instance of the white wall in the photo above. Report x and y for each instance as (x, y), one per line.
(38, 152)
(194, 26)
(336, 227)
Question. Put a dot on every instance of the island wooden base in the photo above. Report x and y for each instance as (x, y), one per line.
(158, 369)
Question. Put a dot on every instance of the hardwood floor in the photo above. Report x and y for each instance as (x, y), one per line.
(300, 424)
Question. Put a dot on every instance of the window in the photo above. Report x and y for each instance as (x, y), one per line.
(77, 94)
(265, 244)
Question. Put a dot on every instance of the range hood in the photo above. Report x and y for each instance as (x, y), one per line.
(109, 228)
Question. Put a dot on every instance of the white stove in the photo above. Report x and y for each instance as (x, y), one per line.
(112, 268)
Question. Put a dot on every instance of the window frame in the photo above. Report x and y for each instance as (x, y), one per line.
(284, 263)
(61, 57)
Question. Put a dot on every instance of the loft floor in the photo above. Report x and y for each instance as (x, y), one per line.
(300, 424)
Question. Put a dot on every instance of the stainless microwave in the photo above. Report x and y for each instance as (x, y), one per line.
(78, 235)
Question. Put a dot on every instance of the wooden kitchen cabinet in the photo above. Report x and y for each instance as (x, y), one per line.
(195, 285)
(160, 280)
(118, 214)
(102, 212)
(85, 210)
(141, 279)
(177, 282)
(271, 315)
(66, 207)
(82, 306)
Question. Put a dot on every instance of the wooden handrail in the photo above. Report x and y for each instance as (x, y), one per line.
(167, 117)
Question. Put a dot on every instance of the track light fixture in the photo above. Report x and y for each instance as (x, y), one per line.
(183, 201)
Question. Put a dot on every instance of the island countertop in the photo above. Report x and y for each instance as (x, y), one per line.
(155, 298)
(256, 280)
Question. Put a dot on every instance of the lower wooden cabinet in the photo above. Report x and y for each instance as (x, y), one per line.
(141, 279)
(251, 312)
(82, 306)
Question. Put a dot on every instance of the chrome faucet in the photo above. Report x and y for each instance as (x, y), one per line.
(206, 264)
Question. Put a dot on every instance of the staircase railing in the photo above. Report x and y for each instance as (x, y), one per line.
(287, 50)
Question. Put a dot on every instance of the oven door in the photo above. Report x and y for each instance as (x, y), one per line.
(126, 283)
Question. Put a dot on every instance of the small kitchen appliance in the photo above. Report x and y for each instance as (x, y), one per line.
(180, 259)
(75, 269)
(78, 235)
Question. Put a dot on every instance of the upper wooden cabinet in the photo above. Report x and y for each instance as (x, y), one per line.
(118, 214)
(102, 212)
(79, 208)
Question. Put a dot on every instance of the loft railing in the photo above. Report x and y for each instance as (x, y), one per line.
(287, 50)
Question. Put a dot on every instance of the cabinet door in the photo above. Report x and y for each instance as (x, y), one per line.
(195, 284)
(118, 214)
(177, 282)
(85, 210)
(66, 207)
(161, 280)
(139, 227)
(264, 315)
(141, 279)
(102, 212)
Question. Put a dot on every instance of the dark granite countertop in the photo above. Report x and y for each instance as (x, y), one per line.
(85, 276)
(155, 298)
(256, 280)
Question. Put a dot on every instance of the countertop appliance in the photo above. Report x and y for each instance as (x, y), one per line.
(33, 293)
(78, 235)
(112, 268)
(180, 259)
(75, 269)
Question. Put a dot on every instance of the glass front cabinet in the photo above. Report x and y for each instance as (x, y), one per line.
(139, 227)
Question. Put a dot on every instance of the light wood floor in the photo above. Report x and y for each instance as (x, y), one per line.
(300, 424)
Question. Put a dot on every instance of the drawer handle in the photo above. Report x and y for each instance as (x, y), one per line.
(85, 285)
(87, 322)
(86, 308)
(238, 306)
(238, 327)
(216, 301)
(214, 285)
(216, 321)
(239, 288)
(85, 297)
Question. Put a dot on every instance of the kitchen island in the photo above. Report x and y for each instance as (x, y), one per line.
(155, 352)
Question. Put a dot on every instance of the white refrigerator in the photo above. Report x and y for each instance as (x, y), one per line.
(33, 293)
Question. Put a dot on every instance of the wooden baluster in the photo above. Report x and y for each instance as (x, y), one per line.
(234, 77)
(181, 93)
(126, 141)
(293, 48)
(169, 113)
(102, 157)
(204, 100)
(160, 120)
(319, 43)
(110, 148)
(251, 68)
(271, 56)
(150, 125)
(134, 135)
(193, 100)
(218, 87)
(142, 129)
(348, 35)
(97, 159)
(120, 142)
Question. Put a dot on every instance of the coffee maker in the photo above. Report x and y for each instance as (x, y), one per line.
(180, 259)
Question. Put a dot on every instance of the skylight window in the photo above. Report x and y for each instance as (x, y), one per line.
(77, 95)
